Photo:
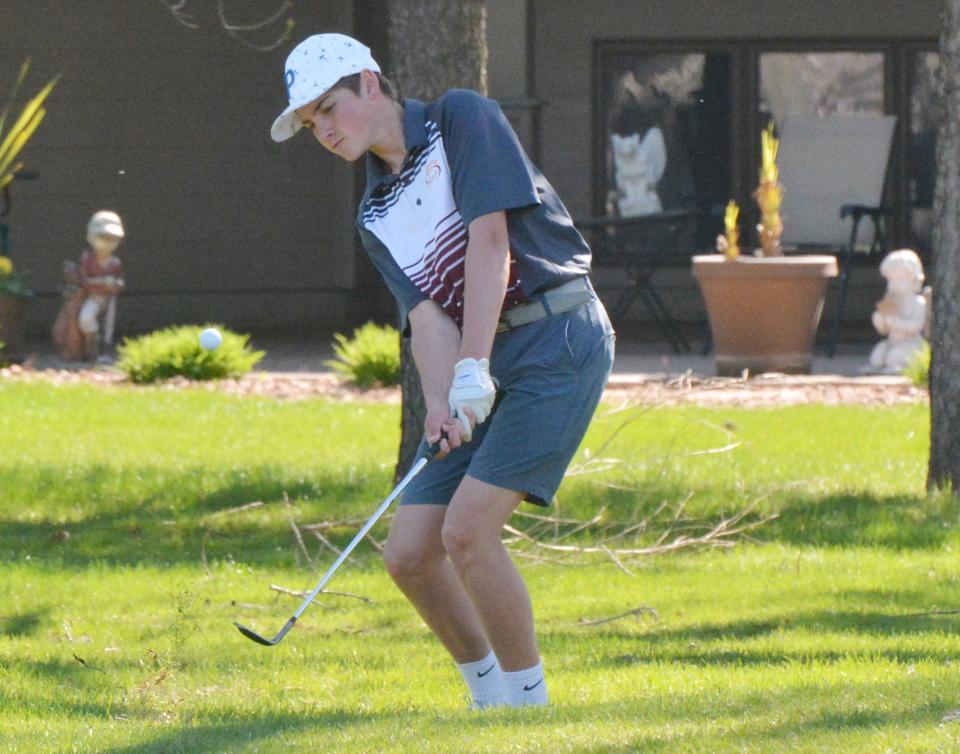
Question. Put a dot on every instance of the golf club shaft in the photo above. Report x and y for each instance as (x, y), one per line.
(414, 470)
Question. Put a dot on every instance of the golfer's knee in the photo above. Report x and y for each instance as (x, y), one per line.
(407, 565)
(462, 545)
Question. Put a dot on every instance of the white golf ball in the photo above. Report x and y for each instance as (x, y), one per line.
(210, 339)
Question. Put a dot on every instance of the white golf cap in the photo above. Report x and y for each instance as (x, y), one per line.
(105, 223)
(315, 65)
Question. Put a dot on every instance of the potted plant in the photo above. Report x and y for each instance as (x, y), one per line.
(14, 293)
(14, 290)
(764, 309)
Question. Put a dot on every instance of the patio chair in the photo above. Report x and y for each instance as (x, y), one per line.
(833, 172)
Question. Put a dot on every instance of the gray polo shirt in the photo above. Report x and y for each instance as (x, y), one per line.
(463, 161)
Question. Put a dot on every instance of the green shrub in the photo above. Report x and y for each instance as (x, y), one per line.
(918, 370)
(370, 358)
(176, 351)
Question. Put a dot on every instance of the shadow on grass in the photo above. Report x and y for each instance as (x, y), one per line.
(825, 727)
(23, 624)
(143, 516)
(840, 520)
(241, 732)
(154, 515)
(718, 644)
(643, 719)
(751, 716)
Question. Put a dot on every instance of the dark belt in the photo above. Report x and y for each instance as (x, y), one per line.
(563, 298)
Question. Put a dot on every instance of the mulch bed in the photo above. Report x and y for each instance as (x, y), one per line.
(764, 390)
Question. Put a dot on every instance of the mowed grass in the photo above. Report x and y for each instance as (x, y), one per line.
(123, 564)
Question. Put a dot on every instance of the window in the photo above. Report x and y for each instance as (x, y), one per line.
(664, 133)
(677, 125)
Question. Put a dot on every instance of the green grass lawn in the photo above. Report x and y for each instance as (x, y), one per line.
(123, 565)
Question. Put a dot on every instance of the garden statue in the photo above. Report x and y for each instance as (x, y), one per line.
(901, 314)
(639, 166)
(86, 320)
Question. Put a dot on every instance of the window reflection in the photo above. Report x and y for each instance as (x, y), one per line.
(666, 133)
(821, 84)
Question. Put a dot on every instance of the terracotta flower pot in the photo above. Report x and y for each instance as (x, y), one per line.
(764, 311)
(12, 318)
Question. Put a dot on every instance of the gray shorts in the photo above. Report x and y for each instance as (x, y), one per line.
(552, 373)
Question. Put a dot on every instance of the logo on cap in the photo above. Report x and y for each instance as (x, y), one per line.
(288, 79)
(432, 172)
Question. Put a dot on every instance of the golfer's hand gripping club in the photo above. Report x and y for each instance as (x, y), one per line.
(474, 389)
(418, 465)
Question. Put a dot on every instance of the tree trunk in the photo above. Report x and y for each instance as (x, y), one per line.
(944, 470)
(435, 45)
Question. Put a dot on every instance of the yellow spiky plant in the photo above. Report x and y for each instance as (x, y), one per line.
(769, 194)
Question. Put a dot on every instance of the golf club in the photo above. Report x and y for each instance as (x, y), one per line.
(418, 465)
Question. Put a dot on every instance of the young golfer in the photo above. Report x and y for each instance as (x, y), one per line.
(511, 343)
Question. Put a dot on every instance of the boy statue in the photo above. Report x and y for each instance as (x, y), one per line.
(86, 320)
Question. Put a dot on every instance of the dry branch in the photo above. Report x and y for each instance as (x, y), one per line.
(296, 531)
(638, 611)
(678, 533)
(301, 593)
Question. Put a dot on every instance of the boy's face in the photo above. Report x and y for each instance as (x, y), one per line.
(341, 120)
(104, 245)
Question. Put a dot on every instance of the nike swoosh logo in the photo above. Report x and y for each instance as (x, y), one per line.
(481, 675)
(531, 688)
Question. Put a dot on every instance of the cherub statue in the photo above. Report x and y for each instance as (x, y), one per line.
(86, 320)
(901, 314)
(639, 166)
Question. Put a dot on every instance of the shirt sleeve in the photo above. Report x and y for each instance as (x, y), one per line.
(491, 172)
(402, 288)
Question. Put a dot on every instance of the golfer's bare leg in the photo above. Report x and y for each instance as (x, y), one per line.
(415, 558)
(471, 537)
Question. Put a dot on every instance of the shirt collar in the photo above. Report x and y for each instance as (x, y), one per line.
(414, 135)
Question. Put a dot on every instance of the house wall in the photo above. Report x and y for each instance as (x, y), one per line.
(170, 127)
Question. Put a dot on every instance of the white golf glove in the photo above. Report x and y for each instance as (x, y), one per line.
(473, 388)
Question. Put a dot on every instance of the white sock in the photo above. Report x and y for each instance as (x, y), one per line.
(485, 680)
(526, 686)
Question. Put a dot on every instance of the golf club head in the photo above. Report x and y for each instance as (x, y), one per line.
(254, 636)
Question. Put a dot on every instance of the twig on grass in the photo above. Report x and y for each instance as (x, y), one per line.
(301, 593)
(638, 611)
(86, 664)
(324, 541)
(677, 534)
(247, 605)
(231, 511)
(339, 524)
(296, 531)
(616, 561)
